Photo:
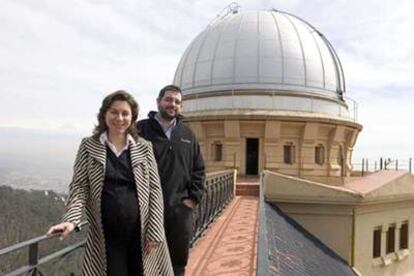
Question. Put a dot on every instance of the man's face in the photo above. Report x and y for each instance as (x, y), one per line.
(169, 105)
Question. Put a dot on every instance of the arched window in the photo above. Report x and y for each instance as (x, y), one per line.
(320, 154)
(289, 153)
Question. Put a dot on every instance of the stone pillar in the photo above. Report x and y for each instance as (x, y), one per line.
(233, 153)
(384, 230)
(397, 236)
(272, 149)
(335, 141)
(307, 154)
(350, 142)
(200, 134)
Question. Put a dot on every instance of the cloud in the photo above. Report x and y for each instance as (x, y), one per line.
(63, 57)
(59, 58)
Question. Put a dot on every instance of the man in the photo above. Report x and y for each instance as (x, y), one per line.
(181, 169)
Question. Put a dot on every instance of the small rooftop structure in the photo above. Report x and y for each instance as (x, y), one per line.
(367, 221)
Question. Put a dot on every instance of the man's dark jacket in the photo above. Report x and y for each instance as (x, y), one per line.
(180, 163)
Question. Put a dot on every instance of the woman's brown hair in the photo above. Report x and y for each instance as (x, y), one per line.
(119, 95)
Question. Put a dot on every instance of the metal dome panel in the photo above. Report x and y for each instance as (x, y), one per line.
(268, 50)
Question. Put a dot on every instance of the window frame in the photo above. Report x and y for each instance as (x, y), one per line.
(390, 241)
(289, 151)
(404, 235)
(320, 154)
(376, 242)
(217, 151)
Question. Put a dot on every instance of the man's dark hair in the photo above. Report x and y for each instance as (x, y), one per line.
(119, 95)
(169, 87)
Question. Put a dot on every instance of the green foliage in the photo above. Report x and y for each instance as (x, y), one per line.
(28, 214)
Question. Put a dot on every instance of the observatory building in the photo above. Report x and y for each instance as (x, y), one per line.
(266, 90)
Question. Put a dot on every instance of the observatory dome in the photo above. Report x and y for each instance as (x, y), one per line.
(262, 54)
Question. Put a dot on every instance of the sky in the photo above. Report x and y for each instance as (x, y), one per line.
(58, 59)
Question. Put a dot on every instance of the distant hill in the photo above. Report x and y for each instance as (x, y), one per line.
(27, 214)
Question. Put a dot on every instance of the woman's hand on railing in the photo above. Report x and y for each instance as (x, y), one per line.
(62, 229)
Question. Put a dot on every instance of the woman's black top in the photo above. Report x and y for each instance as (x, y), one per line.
(120, 209)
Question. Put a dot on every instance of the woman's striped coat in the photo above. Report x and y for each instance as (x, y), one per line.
(85, 190)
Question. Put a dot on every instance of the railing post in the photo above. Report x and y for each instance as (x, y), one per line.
(396, 164)
(381, 163)
(363, 166)
(375, 166)
(33, 257)
(366, 165)
(409, 164)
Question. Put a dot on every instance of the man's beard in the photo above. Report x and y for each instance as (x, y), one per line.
(167, 116)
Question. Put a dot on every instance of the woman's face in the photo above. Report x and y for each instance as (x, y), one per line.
(118, 118)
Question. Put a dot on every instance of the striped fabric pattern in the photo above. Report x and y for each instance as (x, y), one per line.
(85, 191)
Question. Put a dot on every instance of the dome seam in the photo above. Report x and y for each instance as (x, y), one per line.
(202, 43)
(282, 56)
(320, 57)
(213, 61)
(301, 50)
(190, 47)
(236, 42)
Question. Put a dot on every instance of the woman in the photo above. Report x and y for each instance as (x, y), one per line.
(116, 179)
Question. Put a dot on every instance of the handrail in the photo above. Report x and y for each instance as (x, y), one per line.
(32, 241)
(50, 257)
(374, 165)
(220, 190)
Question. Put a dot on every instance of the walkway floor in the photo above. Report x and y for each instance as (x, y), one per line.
(229, 245)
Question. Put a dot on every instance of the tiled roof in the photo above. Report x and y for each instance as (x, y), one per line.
(373, 181)
(285, 248)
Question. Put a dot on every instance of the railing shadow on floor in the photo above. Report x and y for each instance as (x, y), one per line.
(220, 191)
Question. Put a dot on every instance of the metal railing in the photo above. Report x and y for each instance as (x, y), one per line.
(220, 191)
(372, 165)
(33, 263)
